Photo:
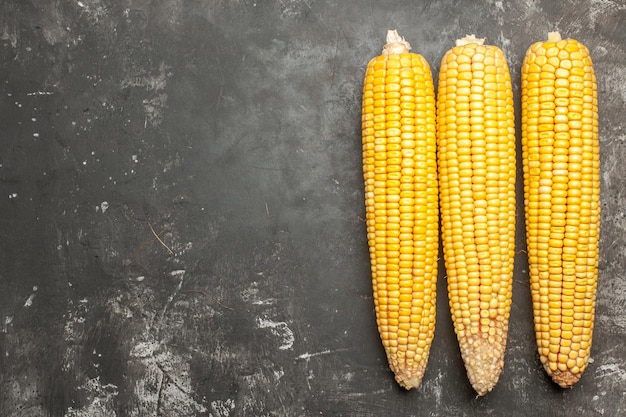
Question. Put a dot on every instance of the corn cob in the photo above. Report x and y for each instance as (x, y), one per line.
(560, 153)
(400, 174)
(476, 157)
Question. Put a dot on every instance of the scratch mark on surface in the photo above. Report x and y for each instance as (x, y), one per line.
(207, 295)
(363, 394)
(161, 241)
(181, 274)
(160, 390)
(142, 246)
(307, 356)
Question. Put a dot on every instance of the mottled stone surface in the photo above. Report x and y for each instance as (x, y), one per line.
(231, 130)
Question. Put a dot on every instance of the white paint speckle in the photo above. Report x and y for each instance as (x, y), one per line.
(160, 364)
(310, 376)
(141, 278)
(12, 195)
(155, 104)
(7, 322)
(616, 370)
(144, 349)
(250, 295)
(104, 206)
(39, 93)
(265, 302)
(278, 329)
(102, 400)
(222, 408)
(29, 301)
(599, 51)
(134, 158)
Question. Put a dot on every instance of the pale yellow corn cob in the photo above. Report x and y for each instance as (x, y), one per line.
(476, 156)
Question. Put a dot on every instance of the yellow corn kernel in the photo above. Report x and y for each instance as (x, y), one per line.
(401, 206)
(562, 201)
(476, 158)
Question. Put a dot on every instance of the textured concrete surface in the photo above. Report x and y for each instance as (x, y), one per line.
(231, 130)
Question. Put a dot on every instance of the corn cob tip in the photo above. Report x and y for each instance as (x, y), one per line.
(565, 379)
(468, 39)
(409, 374)
(409, 381)
(396, 44)
(483, 364)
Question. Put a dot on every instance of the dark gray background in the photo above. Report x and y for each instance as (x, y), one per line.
(232, 129)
